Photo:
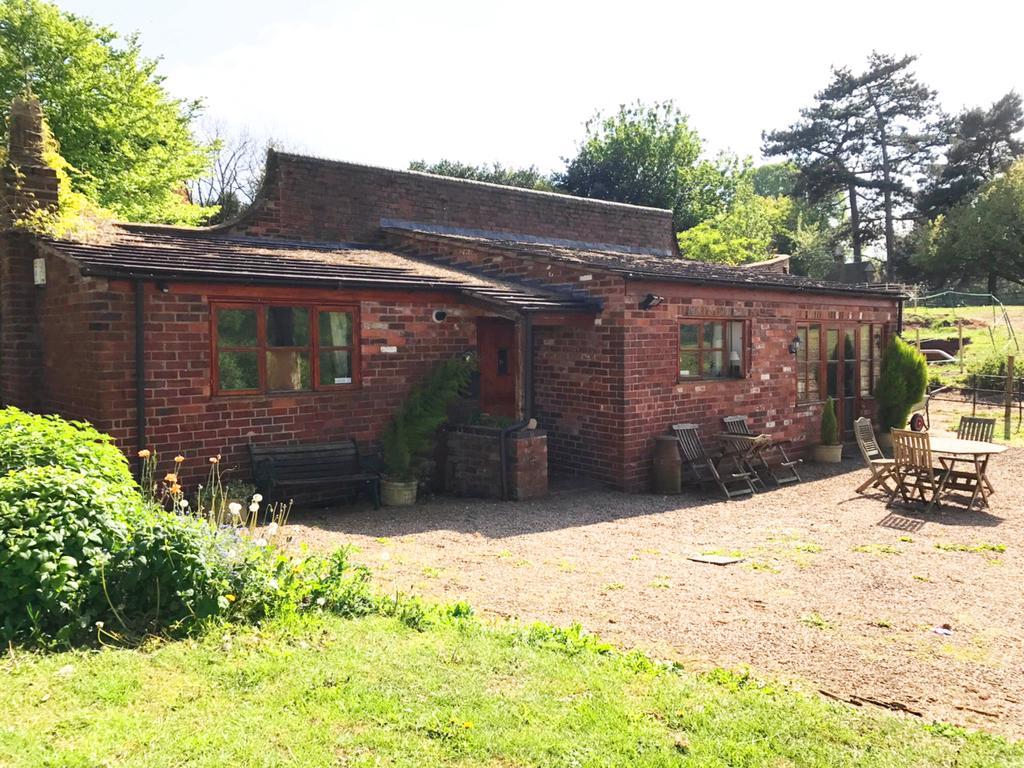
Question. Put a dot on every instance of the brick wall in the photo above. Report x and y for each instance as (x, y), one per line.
(473, 463)
(20, 369)
(655, 398)
(311, 199)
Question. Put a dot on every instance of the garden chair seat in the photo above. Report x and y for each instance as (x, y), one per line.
(702, 470)
(781, 468)
(914, 470)
(881, 468)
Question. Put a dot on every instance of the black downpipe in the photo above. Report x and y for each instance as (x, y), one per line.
(527, 404)
(140, 365)
(899, 318)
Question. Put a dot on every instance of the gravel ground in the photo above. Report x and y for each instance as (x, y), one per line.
(835, 592)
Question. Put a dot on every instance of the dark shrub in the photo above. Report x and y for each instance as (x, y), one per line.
(27, 440)
(901, 383)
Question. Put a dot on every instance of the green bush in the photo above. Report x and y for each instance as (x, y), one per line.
(412, 429)
(829, 425)
(28, 440)
(59, 532)
(901, 383)
(995, 365)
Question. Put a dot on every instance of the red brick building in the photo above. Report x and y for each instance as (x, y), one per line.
(309, 318)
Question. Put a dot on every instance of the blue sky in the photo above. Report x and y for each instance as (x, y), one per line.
(388, 82)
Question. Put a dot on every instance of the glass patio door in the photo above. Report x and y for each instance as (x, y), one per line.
(841, 375)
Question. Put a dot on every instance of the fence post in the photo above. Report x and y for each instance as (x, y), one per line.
(1008, 410)
(960, 348)
(917, 338)
(974, 394)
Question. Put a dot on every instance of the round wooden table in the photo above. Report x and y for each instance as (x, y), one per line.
(978, 452)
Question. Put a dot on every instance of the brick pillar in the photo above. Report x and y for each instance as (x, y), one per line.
(27, 184)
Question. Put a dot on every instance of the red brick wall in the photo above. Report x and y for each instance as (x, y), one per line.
(655, 398)
(473, 463)
(311, 199)
(20, 368)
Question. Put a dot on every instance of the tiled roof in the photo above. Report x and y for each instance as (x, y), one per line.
(647, 266)
(162, 253)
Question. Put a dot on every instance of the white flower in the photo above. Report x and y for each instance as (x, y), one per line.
(254, 507)
(272, 529)
(257, 497)
(261, 542)
(272, 583)
(320, 601)
(183, 503)
(235, 507)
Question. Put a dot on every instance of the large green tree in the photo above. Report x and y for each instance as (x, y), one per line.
(869, 135)
(495, 173)
(981, 237)
(649, 155)
(983, 144)
(128, 143)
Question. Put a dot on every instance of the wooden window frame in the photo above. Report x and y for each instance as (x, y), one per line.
(700, 348)
(261, 348)
(874, 361)
(822, 373)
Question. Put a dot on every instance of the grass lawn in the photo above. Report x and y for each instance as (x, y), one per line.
(372, 691)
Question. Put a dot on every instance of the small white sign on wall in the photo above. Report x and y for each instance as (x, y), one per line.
(39, 271)
(389, 350)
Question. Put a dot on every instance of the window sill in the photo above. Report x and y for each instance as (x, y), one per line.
(704, 379)
(285, 393)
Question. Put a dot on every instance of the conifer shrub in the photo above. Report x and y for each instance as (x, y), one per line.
(829, 425)
(901, 383)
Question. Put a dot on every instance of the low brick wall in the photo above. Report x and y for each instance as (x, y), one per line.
(473, 463)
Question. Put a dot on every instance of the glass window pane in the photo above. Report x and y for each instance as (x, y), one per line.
(814, 381)
(335, 367)
(734, 349)
(801, 333)
(287, 327)
(865, 342)
(335, 329)
(849, 346)
(714, 335)
(832, 344)
(238, 371)
(865, 378)
(801, 381)
(813, 343)
(713, 363)
(236, 328)
(688, 363)
(287, 370)
(688, 336)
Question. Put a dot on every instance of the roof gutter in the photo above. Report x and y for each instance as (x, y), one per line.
(649, 277)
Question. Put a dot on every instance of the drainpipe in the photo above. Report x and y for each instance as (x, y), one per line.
(527, 405)
(899, 318)
(140, 364)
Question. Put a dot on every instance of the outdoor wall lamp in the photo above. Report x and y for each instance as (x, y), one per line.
(650, 301)
(794, 346)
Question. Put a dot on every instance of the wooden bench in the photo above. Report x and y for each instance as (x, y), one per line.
(276, 468)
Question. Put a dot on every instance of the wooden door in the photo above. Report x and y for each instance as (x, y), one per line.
(841, 376)
(499, 366)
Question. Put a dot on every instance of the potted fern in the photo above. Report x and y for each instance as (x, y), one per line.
(830, 449)
(412, 430)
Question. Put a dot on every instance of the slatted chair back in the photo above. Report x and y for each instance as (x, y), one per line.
(976, 428)
(703, 469)
(689, 443)
(736, 425)
(866, 441)
(912, 450)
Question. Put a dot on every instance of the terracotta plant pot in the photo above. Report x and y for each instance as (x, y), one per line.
(396, 493)
(827, 454)
(884, 438)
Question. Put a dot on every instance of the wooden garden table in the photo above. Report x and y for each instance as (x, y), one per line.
(978, 452)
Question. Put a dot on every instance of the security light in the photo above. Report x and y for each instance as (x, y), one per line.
(650, 301)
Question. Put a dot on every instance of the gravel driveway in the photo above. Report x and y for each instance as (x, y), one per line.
(835, 592)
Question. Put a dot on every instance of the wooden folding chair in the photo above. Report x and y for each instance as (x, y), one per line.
(784, 470)
(914, 470)
(976, 428)
(702, 470)
(881, 467)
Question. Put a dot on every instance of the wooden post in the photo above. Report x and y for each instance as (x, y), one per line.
(960, 349)
(1008, 410)
(917, 338)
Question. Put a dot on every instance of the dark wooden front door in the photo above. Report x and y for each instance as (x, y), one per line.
(499, 366)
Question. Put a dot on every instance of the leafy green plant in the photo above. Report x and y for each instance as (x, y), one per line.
(28, 440)
(412, 429)
(901, 383)
(829, 425)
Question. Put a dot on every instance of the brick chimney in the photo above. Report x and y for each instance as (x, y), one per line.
(28, 184)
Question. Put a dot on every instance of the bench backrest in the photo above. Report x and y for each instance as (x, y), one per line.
(307, 460)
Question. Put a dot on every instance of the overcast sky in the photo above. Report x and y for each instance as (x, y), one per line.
(388, 82)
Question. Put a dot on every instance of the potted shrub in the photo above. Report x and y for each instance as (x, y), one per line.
(412, 430)
(830, 449)
(901, 385)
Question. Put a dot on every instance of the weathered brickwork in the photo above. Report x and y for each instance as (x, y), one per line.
(311, 199)
(473, 463)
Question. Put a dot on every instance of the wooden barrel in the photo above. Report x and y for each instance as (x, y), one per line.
(667, 465)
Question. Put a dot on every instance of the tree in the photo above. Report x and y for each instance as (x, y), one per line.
(649, 155)
(127, 142)
(983, 144)
(495, 173)
(747, 231)
(235, 174)
(902, 381)
(868, 135)
(981, 237)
